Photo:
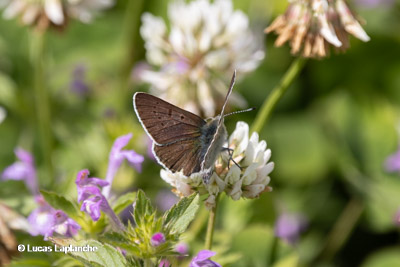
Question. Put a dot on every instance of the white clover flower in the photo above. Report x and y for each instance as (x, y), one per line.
(43, 13)
(205, 43)
(247, 181)
(3, 114)
(311, 26)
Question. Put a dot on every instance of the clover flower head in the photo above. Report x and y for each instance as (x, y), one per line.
(205, 43)
(248, 179)
(45, 13)
(289, 226)
(311, 26)
(202, 259)
(24, 169)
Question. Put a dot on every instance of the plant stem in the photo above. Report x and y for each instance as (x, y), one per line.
(211, 225)
(341, 230)
(273, 251)
(276, 94)
(42, 100)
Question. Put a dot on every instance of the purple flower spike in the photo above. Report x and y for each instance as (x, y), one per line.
(202, 259)
(88, 186)
(24, 169)
(93, 201)
(46, 221)
(392, 163)
(289, 227)
(117, 156)
(157, 239)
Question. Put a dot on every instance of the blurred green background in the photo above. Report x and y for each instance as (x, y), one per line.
(329, 136)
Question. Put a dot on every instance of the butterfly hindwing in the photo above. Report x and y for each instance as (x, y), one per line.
(181, 156)
(164, 122)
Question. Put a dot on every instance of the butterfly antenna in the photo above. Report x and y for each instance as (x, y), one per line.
(239, 111)
(227, 95)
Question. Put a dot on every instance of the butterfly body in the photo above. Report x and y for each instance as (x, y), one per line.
(182, 141)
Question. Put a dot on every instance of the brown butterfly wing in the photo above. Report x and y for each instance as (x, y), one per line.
(180, 156)
(164, 122)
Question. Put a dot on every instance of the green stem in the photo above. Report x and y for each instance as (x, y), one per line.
(42, 101)
(341, 230)
(276, 94)
(211, 225)
(273, 251)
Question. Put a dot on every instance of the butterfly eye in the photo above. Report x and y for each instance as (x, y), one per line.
(182, 117)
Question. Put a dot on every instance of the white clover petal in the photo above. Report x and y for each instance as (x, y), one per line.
(14, 8)
(250, 174)
(218, 59)
(54, 11)
(253, 191)
(240, 137)
(213, 187)
(233, 175)
(236, 191)
(205, 97)
(265, 170)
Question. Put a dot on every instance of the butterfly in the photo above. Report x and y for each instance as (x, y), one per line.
(182, 141)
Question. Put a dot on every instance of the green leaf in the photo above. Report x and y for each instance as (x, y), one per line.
(61, 203)
(143, 208)
(177, 219)
(105, 255)
(384, 257)
(123, 202)
(119, 240)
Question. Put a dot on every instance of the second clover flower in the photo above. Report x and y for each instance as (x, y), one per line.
(311, 26)
(207, 41)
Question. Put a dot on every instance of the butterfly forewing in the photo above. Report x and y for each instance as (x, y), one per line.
(164, 122)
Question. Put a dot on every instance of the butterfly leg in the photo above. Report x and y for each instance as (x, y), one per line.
(230, 152)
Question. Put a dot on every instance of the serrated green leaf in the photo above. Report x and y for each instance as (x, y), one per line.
(123, 202)
(177, 219)
(119, 240)
(143, 208)
(105, 255)
(61, 203)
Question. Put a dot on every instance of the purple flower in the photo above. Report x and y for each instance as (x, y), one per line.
(93, 201)
(78, 84)
(182, 248)
(392, 163)
(24, 169)
(117, 156)
(202, 259)
(157, 239)
(46, 221)
(289, 226)
(164, 263)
